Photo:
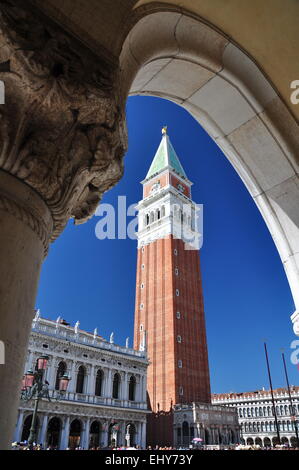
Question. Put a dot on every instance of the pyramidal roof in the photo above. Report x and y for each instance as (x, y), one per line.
(165, 157)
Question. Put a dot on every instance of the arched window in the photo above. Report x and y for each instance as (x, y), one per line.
(27, 426)
(158, 214)
(132, 388)
(99, 382)
(53, 432)
(60, 372)
(163, 211)
(116, 384)
(80, 379)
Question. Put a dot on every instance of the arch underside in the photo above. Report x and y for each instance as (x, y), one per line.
(180, 58)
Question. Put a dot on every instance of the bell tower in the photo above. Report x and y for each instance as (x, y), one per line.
(169, 301)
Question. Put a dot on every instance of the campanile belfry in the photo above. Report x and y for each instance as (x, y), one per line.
(169, 301)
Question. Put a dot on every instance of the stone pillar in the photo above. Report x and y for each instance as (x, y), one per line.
(125, 390)
(51, 373)
(108, 391)
(104, 436)
(64, 439)
(91, 385)
(43, 431)
(62, 139)
(122, 434)
(85, 435)
(19, 427)
(143, 435)
(25, 221)
(144, 388)
(73, 376)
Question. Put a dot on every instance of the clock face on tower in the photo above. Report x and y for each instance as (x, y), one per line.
(155, 187)
(180, 187)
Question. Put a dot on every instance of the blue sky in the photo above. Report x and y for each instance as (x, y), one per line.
(246, 293)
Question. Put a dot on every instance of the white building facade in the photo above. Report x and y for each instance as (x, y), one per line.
(256, 418)
(216, 426)
(105, 403)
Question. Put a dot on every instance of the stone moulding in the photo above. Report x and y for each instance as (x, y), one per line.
(63, 127)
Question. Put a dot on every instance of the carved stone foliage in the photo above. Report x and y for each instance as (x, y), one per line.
(62, 126)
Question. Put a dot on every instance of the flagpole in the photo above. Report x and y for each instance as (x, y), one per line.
(271, 388)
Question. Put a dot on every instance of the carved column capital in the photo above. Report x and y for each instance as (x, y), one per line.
(62, 126)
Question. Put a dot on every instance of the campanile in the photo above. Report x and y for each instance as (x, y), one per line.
(169, 310)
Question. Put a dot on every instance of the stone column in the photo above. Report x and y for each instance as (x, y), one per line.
(43, 432)
(108, 391)
(104, 436)
(64, 439)
(85, 435)
(143, 435)
(25, 222)
(62, 139)
(73, 376)
(91, 385)
(125, 391)
(19, 427)
(51, 373)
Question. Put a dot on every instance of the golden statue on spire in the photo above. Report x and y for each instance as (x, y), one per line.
(164, 130)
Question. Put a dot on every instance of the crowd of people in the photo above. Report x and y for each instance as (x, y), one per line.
(25, 446)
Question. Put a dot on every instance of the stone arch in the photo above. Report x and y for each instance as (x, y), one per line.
(131, 431)
(54, 432)
(26, 427)
(195, 65)
(95, 433)
(267, 442)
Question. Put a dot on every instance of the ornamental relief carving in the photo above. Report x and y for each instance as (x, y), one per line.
(62, 127)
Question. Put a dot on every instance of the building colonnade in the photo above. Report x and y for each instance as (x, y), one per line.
(63, 431)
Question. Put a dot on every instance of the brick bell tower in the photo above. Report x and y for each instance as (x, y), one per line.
(169, 311)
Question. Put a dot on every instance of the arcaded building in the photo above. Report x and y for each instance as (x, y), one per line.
(105, 403)
(256, 417)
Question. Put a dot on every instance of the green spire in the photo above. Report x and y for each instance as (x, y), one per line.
(165, 157)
